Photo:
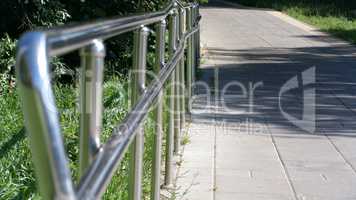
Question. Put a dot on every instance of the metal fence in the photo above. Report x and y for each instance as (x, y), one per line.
(98, 162)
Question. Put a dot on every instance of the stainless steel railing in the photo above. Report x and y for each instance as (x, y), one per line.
(99, 161)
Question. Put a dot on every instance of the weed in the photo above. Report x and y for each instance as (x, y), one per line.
(185, 139)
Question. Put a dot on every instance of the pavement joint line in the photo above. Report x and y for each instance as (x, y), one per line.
(341, 154)
(186, 131)
(286, 173)
(214, 163)
(343, 103)
(270, 45)
(216, 88)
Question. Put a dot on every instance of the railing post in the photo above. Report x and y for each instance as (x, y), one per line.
(138, 87)
(92, 61)
(198, 36)
(182, 77)
(170, 135)
(194, 64)
(189, 67)
(177, 92)
(41, 118)
(157, 148)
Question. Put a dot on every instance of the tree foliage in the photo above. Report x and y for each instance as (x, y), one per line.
(19, 16)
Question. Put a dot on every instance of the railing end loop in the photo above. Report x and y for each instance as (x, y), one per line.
(32, 59)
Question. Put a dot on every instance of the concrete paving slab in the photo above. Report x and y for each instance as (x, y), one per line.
(251, 196)
(226, 157)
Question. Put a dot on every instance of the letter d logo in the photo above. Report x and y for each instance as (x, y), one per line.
(307, 122)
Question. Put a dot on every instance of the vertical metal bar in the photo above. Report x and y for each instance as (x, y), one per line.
(156, 161)
(41, 118)
(182, 77)
(197, 45)
(198, 37)
(170, 135)
(138, 87)
(195, 37)
(189, 58)
(92, 61)
(194, 64)
(177, 94)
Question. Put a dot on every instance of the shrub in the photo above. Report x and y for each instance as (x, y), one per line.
(7, 62)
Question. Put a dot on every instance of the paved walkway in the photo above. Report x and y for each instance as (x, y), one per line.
(253, 136)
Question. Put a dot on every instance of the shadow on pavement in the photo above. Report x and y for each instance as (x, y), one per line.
(334, 84)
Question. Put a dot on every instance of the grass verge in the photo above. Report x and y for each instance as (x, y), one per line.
(331, 17)
(17, 180)
(338, 23)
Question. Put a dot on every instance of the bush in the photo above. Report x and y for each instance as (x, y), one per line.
(46, 13)
(22, 15)
(7, 62)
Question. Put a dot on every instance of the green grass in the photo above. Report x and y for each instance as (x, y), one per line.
(185, 139)
(17, 180)
(334, 18)
(339, 23)
(203, 1)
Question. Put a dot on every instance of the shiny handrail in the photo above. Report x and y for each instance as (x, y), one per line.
(35, 49)
(66, 39)
(124, 133)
